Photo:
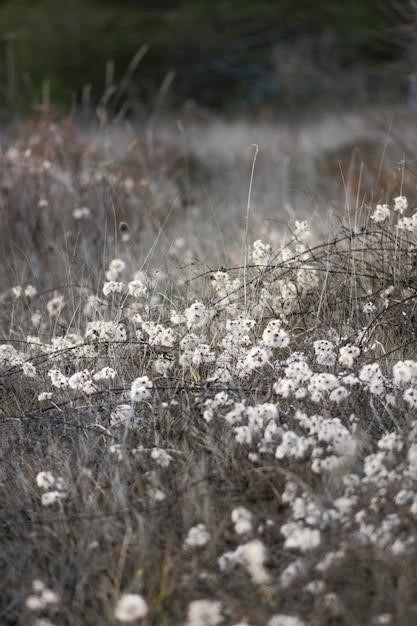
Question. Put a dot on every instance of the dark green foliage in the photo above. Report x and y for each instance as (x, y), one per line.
(221, 52)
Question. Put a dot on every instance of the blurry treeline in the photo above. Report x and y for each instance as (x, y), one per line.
(215, 53)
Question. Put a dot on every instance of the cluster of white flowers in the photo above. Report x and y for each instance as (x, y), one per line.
(324, 351)
(381, 213)
(158, 335)
(299, 537)
(106, 373)
(113, 286)
(373, 378)
(41, 597)
(141, 389)
(274, 336)
(408, 224)
(261, 252)
(309, 404)
(211, 405)
(82, 381)
(54, 488)
(29, 291)
(302, 230)
(44, 396)
(106, 331)
(348, 354)
(81, 213)
(225, 287)
(58, 379)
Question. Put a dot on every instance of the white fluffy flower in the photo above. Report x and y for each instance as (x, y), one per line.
(371, 374)
(369, 308)
(58, 379)
(106, 331)
(30, 291)
(400, 204)
(274, 336)
(242, 520)
(252, 556)
(55, 305)
(348, 354)
(131, 607)
(78, 380)
(45, 395)
(410, 397)
(202, 354)
(156, 495)
(302, 230)
(381, 213)
(404, 372)
(45, 480)
(159, 335)
(324, 351)
(292, 446)
(17, 292)
(292, 572)
(300, 537)
(161, 457)
(41, 598)
(204, 613)
(195, 315)
(197, 536)
(140, 389)
(29, 370)
(51, 497)
(106, 373)
(243, 435)
(116, 267)
(136, 289)
(339, 394)
(176, 318)
(255, 358)
(408, 224)
(261, 252)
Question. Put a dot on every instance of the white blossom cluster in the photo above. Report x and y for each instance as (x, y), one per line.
(54, 488)
(41, 597)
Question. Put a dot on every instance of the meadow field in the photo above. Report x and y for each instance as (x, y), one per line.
(208, 371)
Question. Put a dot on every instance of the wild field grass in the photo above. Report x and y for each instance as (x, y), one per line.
(207, 404)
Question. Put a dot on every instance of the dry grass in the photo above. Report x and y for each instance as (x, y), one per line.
(172, 204)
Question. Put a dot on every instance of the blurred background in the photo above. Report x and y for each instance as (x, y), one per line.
(125, 122)
(222, 55)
